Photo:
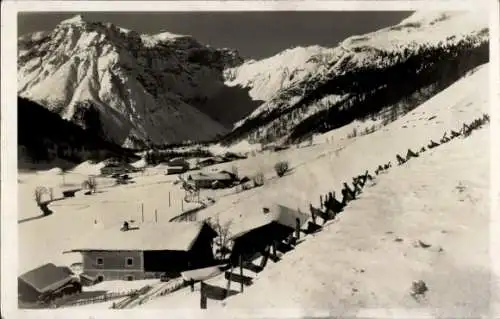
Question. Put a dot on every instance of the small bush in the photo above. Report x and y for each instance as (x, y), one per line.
(281, 168)
(258, 179)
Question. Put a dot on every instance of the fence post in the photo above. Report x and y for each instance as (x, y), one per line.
(156, 215)
(203, 296)
(169, 202)
(241, 273)
(142, 210)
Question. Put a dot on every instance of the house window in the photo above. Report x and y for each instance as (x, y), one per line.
(100, 261)
(129, 262)
(129, 277)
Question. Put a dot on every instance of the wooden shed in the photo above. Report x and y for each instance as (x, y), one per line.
(274, 224)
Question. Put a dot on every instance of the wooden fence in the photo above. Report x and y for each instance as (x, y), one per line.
(101, 298)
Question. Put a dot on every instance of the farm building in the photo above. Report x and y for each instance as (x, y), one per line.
(147, 251)
(175, 170)
(211, 161)
(275, 224)
(45, 282)
(211, 180)
(229, 156)
(178, 162)
(112, 168)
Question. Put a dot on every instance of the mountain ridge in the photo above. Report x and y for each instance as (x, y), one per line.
(152, 89)
(143, 86)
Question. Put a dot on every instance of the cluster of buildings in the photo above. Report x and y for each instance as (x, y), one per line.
(155, 250)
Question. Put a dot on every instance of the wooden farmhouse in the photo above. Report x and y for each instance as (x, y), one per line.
(147, 251)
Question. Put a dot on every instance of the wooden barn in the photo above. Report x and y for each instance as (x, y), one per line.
(273, 225)
(147, 251)
(47, 280)
(211, 180)
(114, 166)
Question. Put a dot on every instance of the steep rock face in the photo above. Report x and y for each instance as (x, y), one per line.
(145, 87)
(317, 89)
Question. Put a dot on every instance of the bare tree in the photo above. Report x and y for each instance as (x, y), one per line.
(39, 192)
(221, 241)
(43, 205)
(234, 171)
(90, 184)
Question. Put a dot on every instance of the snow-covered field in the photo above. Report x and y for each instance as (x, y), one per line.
(364, 259)
(44, 239)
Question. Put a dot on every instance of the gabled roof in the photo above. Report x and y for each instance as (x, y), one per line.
(145, 237)
(46, 277)
(277, 214)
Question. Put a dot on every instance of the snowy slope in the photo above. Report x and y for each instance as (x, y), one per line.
(440, 198)
(144, 86)
(299, 73)
(266, 77)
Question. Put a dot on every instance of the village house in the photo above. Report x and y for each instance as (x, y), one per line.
(45, 282)
(178, 162)
(115, 167)
(211, 161)
(147, 251)
(212, 180)
(175, 170)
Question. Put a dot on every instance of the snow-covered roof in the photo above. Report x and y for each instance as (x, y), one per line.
(277, 213)
(211, 176)
(146, 236)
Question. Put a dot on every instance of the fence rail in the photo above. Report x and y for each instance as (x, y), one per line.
(102, 298)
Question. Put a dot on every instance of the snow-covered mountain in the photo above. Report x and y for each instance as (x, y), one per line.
(159, 87)
(145, 87)
(311, 89)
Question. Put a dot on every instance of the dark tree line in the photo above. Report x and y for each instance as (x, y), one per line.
(38, 129)
(435, 68)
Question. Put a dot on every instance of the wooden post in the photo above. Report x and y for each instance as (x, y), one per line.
(297, 227)
(265, 257)
(169, 202)
(203, 296)
(156, 215)
(241, 273)
(228, 286)
(182, 204)
(142, 211)
(274, 250)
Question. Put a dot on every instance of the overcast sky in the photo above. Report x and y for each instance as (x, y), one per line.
(253, 34)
